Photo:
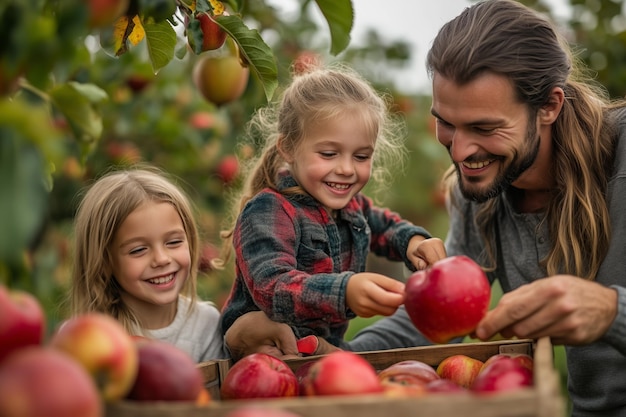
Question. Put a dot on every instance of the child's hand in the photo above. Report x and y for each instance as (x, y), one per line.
(425, 252)
(369, 294)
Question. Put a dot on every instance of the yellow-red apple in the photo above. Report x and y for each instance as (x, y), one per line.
(342, 373)
(408, 372)
(166, 373)
(213, 36)
(22, 320)
(220, 79)
(104, 348)
(461, 369)
(259, 375)
(522, 358)
(39, 381)
(448, 299)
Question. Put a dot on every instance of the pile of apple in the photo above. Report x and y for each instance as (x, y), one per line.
(346, 373)
(88, 360)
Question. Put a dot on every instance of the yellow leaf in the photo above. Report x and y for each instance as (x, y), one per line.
(126, 30)
(138, 32)
(217, 6)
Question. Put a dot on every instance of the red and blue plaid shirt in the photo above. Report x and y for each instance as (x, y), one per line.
(293, 259)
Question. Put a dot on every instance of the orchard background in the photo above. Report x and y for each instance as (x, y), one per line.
(79, 95)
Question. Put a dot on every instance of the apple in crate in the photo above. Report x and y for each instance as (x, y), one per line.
(259, 411)
(40, 381)
(22, 320)
(259, 375)
(445, 386)
(408, 372)
(460, 369)
(166, 373)
(448, 299)
(101, 344)
(522, 358)
(504, 374)
(342, 373)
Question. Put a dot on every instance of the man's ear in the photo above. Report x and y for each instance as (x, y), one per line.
(551, 110)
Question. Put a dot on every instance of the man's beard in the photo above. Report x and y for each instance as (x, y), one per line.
(520, 163)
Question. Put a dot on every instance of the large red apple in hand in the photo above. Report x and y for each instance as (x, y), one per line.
(342, 373)
(102, 345)
(22, 321)
(39, 381)
(166, 373)
(259, 375)
(448, 299)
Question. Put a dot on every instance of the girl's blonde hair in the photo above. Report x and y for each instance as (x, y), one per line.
(316, 95)
(104, 207)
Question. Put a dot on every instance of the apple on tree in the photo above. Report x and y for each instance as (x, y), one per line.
(105, 12)
(210, 35)
(40, 381)
(103, 347)
(448, 299)
(259, 375)
(22, 320)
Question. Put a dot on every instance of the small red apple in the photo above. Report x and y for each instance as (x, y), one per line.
(342, 373)
(460, 369)
(22, 320)
(213, 36)
(259, 375)
(166, 373)
(308, 345)
(306, 61)
(39, 381)
(504, 374)
(408, 372)
(448, 299)
(522, 358)
(220, 80)
(103, 347)
(228, 169)
(104, 12)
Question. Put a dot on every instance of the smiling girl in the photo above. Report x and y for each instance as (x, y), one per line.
(303, 228)
(136, 258)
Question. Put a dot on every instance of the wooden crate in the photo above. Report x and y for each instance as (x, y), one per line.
(543, 399)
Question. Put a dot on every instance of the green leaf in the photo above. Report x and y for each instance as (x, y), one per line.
(254, 50)
(340, 16)
(78, 103)
(161, 40)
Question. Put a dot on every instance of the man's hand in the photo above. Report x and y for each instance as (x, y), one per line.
(568, 309)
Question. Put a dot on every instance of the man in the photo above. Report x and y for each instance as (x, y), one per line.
(537, 190)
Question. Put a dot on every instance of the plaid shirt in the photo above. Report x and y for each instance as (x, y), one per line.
(291, 260)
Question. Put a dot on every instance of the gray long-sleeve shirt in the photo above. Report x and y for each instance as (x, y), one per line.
(596, 372)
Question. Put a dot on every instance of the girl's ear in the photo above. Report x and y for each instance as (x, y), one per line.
(280, 146)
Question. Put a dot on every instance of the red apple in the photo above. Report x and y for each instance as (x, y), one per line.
(22, 321)
(448, 299)
(342, 373)
(504, 374)
(39, 381)
(460, 369)
(259, 375)
(307, 345)
(105, 12)
(306, 61)
(166, 373)
(302, 375)
(401, 390)
(220, 80)
(445, 386)
(103, 347)
(228, 169)
(258, 411)
(213, 36)
(408, 372)
(522, 358)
